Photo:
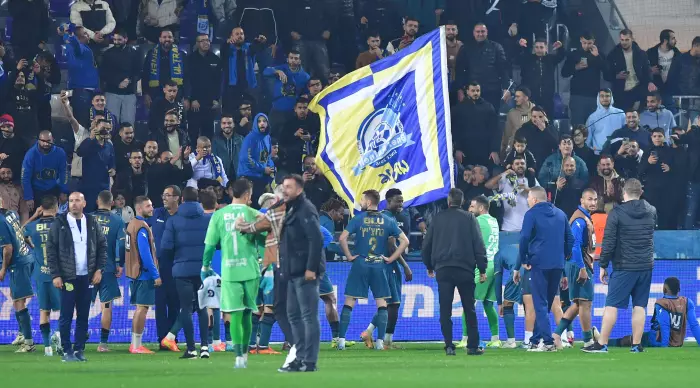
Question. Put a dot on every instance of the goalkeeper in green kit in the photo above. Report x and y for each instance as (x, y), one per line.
(485, 292)
(240, 271)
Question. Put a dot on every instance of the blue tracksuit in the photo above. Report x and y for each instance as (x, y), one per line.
(285, 94)
(580, 233)
(167, 301)
(44, 172)
(662, 326)
(545, 242)
(82, 68)
(113, 229)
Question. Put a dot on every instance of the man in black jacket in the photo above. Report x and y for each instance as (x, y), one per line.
(684, 75)
(120, 71)
(691, 138)
(484, 61)
(453, 248)
(132, 182)
(76, 253)
(302, 262)
(310, 30)
(629, 83)
(629, 245)
(477, 135)
(165, 173)
(584, 66)
(298, 138)
(12, 147)
(169, 103)
(124, 145)
(660, 58)
(166, 136)
(202, 88)
(538, 69)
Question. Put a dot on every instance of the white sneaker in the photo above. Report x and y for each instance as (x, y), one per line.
(524, 345)
(379, 345)
(509, 345)
(240, 363)
(589, 343)
(566, 344)
(56, 343)
(542, 348)
(48, 351)
(19, 340)
(291, 356)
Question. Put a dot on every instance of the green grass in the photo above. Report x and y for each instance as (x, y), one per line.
(420, 365)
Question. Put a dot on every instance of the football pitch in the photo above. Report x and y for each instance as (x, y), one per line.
(419, 365)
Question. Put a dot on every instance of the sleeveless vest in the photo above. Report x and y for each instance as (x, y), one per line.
(589, 251)
(677, 310)
(133, 263)
(599, 220)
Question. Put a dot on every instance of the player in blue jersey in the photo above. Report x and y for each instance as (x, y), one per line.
(394, 209)
(113, 229)
(375, 234)
(36, 232)
(18, 261)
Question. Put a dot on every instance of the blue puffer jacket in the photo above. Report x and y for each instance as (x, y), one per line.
(183, 239)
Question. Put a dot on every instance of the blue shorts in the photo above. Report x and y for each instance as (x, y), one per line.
(143, 292)
(512, 292)
(325, 287)
(626, 284)
(393, 277)
(578, 291)
(108, 288)
(21, 281)
(49, 296)
(365, 278)
(525, 282)
(266, 294)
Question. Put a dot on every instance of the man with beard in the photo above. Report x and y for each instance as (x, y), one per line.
(566, 191)
(164, 173)
(254, 161)
(454, 46)
(410, 30)
(44, 170)
(226, 144)
(551, 168)
(657, 172)
(98, 109)
(299, 138)
(43, 75)
(132, 183)
(477, 135)
(83, 77)
(631, 131)
(514, 185)
(20, 102)
(521, 114)
(169, 103)
(656, 116)
(125, 145)
(202, 88)
(628, 158)
(97, 152)
(484, 61)
(660, 59)
(374, 52)
(541, 137)
(12, 147)
(579, 270)
(242, 120)
(604, 121)
(607, 184)
(11, 194)
(172, 138)
(628, 72)
(585, 67)
(120, 71)
(163, 63)
(317, 188)
(151, 153)
(238, 59)
(474, 183)
(538, 70)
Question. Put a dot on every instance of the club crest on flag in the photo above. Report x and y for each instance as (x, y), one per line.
(387, 125)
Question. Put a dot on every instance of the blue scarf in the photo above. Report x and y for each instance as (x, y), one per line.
(217, 168)
(176, 73)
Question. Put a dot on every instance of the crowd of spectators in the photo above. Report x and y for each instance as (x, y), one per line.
(196, 94)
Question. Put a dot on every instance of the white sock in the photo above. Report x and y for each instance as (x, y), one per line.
(388, 338)
(229, 343)
(528, 335)
(563, 334)
(495, 338)
(379, 344)
(511, 340)
(464, 338)
(217, 342)
(341, 342)
(170, 336)
(137, 340)
(29, 342)
(133, 339)
(291, 356)
(370, 329)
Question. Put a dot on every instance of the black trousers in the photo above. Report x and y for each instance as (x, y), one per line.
(448, 279)
(75, 296)
(280, 306)
(189, 302)
(167, 301)
(201, 123)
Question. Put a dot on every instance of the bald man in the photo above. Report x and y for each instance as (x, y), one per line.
(76, 253)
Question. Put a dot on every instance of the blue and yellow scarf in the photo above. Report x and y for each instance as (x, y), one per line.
(176, 73)
(217, 167)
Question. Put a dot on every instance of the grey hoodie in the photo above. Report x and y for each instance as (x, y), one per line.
(662, 118)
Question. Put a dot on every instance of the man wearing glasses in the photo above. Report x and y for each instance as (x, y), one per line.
(167, 301)
(202, 88)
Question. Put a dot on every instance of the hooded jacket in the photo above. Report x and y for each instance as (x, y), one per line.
(514, 120)
(629, 237)
(551, 169)
(183, 239)
(545, 239)
(662, 118)
(602, 123)
(255, 152)
(43, 171)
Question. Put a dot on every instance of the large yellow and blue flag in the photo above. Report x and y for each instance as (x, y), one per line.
(387, 125)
